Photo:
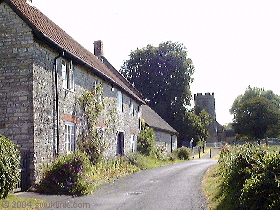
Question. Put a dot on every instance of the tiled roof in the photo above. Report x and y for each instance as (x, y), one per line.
(42, 24)
(155, 121)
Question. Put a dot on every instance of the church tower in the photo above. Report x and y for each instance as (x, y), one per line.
(206, 102)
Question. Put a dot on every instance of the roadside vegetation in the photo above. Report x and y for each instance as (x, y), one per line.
(9, 166)
(79, 174)
(246, 177)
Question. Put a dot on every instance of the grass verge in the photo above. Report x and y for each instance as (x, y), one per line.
(110, 170)
(16, 202)
(211, 187)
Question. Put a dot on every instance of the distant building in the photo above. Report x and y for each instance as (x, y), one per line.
(207, 102)
(166, 136)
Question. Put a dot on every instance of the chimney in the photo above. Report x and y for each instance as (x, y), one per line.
(29, 2)
(98, 48)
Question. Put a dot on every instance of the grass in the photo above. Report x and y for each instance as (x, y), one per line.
(16, 202)
(211, 187)
(206, 152)
(110, 170)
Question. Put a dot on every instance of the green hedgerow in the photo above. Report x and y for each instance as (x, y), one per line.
(9, 166)
(250, 177)
(68, 174)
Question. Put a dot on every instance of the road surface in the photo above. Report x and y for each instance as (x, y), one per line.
(176, 186)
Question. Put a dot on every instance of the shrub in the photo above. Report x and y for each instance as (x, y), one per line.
(146, 141)
(250, 177)
(262, 189)
(93, 146)
(68, 174)
(9, 166)
(183, 153)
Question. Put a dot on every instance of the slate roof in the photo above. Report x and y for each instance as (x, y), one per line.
(155, 121)
(47, 31)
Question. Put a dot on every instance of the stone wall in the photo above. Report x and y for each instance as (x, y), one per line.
(28, 113)
(16, 78)
(163, 140)
(70, 107)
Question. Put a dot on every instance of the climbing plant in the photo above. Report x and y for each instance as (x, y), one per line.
(96, 107)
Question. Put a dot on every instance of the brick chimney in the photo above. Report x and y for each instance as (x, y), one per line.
(98, 48)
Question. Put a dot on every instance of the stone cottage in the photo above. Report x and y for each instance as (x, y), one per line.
(166, 136)
(43, 74)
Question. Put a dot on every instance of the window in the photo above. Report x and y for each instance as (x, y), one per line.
(133, 142)
(69, 137)
(131, 108)
(120, 101)
(67, 75)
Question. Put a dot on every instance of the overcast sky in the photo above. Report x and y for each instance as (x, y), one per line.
(233, 43)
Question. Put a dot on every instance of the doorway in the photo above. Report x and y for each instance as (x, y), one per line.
(120, 144)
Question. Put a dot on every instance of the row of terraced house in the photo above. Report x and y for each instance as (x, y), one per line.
(43, 74)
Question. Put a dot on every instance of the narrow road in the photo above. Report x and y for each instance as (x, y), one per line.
(176, 186)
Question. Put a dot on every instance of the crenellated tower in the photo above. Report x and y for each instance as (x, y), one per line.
(206, 102)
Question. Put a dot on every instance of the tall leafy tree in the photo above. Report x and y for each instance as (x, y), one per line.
(197, 126)
(163, 75)
(256, 114)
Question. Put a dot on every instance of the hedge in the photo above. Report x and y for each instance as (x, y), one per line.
(9, 166)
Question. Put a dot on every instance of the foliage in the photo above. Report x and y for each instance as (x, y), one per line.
(146, 141)
(163, 75)
(255, 117)
(195, 126)
(183, 153)
(250, 177)
(112, 168)
(9, 166)
(256, 114)
(94, 104)
(68, 174)
(144, 162)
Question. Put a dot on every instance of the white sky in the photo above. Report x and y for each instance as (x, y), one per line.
(233, 43)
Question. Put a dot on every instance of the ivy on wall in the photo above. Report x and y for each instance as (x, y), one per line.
(97, 107)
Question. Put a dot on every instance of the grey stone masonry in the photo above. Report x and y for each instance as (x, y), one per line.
(31, 81)
(16, 79)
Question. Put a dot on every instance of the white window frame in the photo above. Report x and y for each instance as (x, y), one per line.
(133, 142)
(131, 107)
(120, 101)
(69, 137)
(67, 75)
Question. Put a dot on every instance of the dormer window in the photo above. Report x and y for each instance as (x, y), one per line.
(67, 75)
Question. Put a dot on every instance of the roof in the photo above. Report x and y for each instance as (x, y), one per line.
(155, 121)
(47, 31)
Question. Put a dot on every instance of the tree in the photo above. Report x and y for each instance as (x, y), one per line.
(256, 114)
(163, 75)
(146, 141)
(196, 125)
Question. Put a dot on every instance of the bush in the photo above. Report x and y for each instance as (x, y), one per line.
(146, 141)
(9, 166)
(68, 174)
(262, 189)
(250, 177)
(93, 146)
(183, 153)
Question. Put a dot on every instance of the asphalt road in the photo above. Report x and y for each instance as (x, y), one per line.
(176, 186)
